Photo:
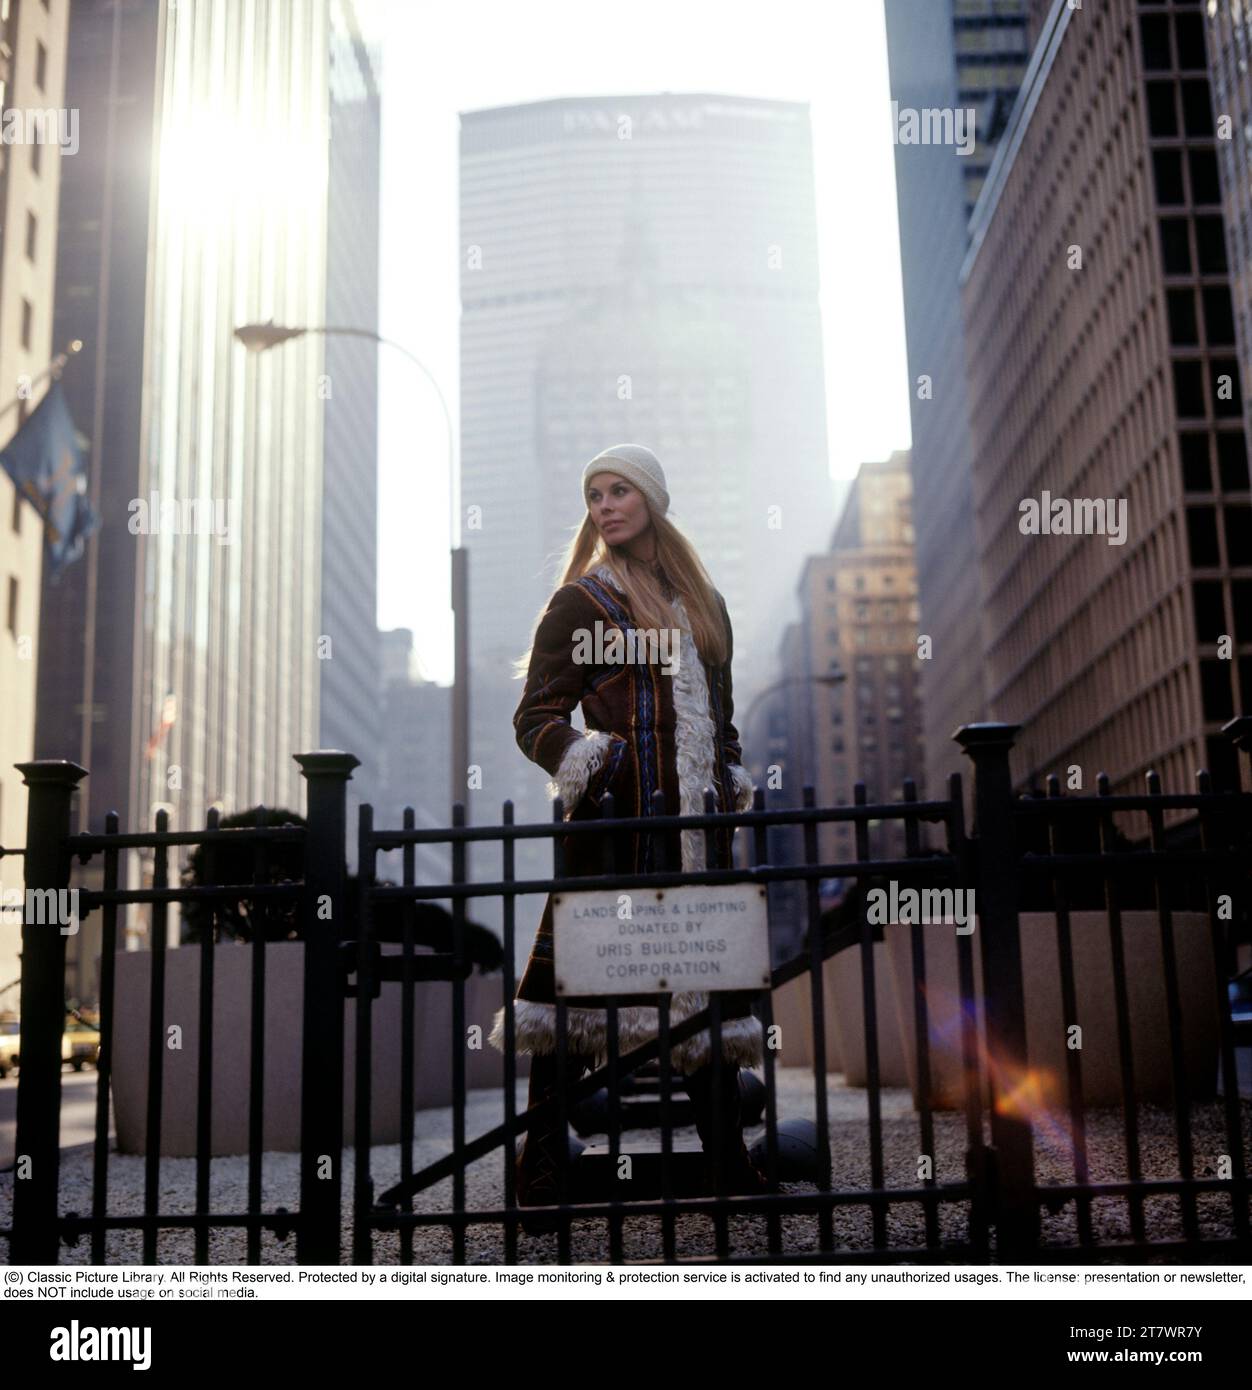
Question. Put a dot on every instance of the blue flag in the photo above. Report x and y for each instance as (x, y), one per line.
(48, 468)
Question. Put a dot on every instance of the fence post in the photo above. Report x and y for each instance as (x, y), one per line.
(1015, 1208)
(324, 924)
(38, 1147)
(1239, 732)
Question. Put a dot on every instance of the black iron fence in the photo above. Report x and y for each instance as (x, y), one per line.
(1039, 1172)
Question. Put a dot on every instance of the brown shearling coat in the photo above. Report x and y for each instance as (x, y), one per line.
(647, 729)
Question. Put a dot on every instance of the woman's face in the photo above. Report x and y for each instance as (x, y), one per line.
(618, 508)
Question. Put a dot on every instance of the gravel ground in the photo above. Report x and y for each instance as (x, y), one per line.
(850, 1154)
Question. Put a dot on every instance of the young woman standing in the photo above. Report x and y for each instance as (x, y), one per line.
(650, 725)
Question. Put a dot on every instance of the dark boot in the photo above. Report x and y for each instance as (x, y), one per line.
(536, 1164)
(740, 1173)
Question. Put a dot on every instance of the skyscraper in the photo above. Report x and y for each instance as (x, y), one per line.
(1105, 391)
(858, 623)
(181, 191)
(351, 692)
(636, 268)
(231, 613)
(32, 82)
(1229, 34)
(101, 273)
(946, 56)
(859, 601)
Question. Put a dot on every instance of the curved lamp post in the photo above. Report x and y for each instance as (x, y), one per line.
(830, 678)
(260, 337)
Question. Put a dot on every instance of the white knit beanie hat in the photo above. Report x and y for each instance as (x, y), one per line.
(637, 465)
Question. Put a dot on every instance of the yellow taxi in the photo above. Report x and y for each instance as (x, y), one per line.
(80, 1043)
(9, 1040)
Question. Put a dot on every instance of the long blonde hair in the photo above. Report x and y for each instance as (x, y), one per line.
(649, 608)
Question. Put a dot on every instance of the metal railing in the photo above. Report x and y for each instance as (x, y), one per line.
(989, 1208)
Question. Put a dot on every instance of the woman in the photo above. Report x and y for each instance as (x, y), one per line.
(649, 725)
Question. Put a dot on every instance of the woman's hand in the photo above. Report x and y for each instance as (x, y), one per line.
(743, 789)
(602, 776)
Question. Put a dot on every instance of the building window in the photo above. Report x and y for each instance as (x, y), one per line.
(36, 157)
(1232, 461)
(1202, 537)
(32, 235)
(1183, 326)
(17, 512)
(41, 65)
(1210, 239)
(1175, 249)
(1167, 176)
(13, 604)
(1194, 450)
(28, 314)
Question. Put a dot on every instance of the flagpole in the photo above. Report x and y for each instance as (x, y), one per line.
(53, 370)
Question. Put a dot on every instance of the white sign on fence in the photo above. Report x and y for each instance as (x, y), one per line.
(665, 940)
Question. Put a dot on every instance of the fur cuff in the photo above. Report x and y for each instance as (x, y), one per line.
(582, 758)
(742, 786)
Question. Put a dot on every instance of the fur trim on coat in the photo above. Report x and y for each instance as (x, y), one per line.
(583, 758)
(535, 1031)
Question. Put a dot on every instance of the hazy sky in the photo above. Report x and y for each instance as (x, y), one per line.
(439, 60)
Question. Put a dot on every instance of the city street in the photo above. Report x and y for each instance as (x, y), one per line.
(78, 1112)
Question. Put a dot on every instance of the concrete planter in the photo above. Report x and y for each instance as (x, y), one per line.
(1046, 1040)
(849, 1010)
(845, 1020)
(283, 1031)
(793, 1015)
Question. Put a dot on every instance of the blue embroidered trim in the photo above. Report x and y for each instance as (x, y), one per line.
(719, 753)
(645, 709)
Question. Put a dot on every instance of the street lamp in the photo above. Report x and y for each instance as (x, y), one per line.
(780, 892)
(829, 678)
(260, 337)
